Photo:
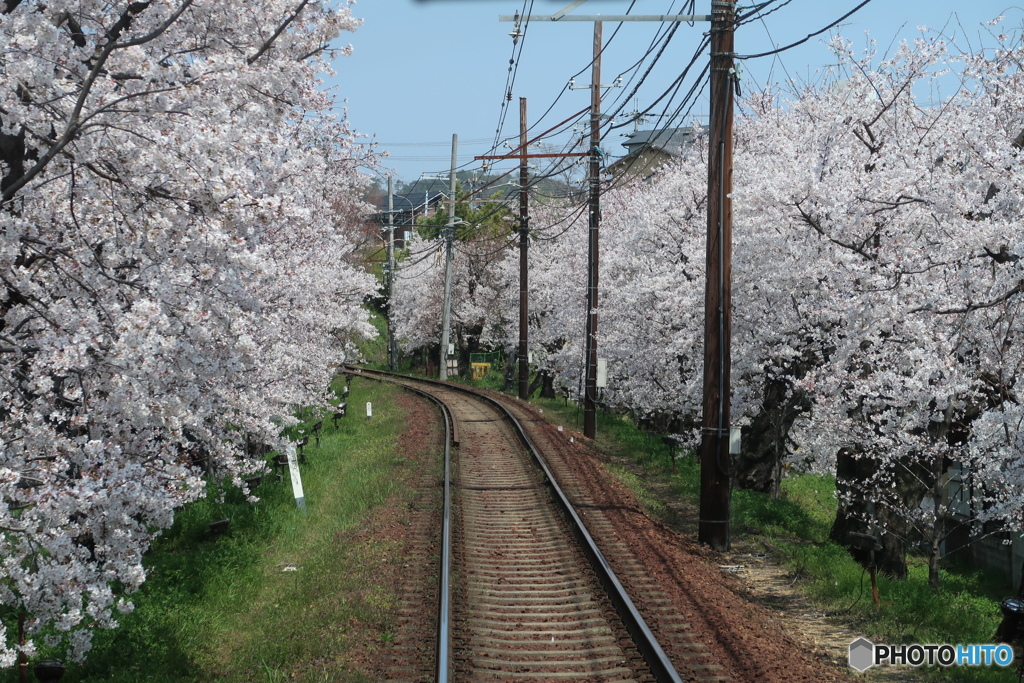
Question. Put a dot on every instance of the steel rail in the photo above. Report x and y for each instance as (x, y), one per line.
(444, 618)
(444, 611)
(647, 644)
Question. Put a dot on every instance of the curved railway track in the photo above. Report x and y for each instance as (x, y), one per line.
(532, 597)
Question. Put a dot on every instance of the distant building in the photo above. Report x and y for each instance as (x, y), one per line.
(648, 150)
(419, 199)
(429, 193)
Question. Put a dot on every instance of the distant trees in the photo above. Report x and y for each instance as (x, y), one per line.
(173, 278)
(481, 237)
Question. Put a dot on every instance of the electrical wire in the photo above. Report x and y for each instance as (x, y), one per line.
(442, 143)
(690, 98)
(805, 38)
(657, 48)
(587, 66)
(776, 59)
(569, 218)
(513, 70)
(674, 88)
(662, 38)
(756, 12)
(632, 93)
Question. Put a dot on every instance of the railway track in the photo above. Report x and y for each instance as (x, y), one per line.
(532, 597)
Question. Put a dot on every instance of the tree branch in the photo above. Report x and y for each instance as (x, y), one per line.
(74, 124)
(975, 307)
(158, 30)
(815, 223)
(280, 29)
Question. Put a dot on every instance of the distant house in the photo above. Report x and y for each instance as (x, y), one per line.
(417, 200)
(648, 150)
(429, 193)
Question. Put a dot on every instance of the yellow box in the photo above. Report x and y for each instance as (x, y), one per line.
(479, 370)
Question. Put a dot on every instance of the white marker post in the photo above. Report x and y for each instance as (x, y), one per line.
(369, 410)
(293, 469)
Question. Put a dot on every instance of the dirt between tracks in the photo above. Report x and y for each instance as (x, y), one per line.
(741, 605)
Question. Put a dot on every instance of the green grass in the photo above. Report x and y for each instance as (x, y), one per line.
(375, 351)
(796, 527)
(615, 433)
(635, 484)
(964, 611)
(806, 509)
(225, 609)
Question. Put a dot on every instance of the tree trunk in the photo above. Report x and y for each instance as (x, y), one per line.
(938, 529)
(1020, 589)
(547, 386)
(759, 465)
(511, 370)
(546, 382)
(853, 517)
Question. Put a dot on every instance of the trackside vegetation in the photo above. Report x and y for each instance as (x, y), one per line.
(282, 595)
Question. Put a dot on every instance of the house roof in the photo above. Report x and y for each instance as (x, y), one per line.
(424, 191)
(670, 140)
(431, 189)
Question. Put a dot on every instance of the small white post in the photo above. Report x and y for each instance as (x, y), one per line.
(369, 410)
(293, 470)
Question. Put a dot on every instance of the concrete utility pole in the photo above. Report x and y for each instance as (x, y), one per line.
(524, 245)
(590, 374)
(715, 460)
(449, 235)
(392, 346)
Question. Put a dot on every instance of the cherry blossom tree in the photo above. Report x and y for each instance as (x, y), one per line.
(914, 204)
(174, 282)
(480, 247)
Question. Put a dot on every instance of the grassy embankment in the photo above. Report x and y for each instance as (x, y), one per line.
(796, 527)
(284, 595)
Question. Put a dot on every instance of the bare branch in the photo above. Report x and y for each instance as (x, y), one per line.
(280, 29)
(815, 223)
(975, 307)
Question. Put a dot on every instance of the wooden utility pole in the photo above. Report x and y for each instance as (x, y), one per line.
(524, 245)
(449, 236)
(524, 156)
(590, 370)
(715, 460)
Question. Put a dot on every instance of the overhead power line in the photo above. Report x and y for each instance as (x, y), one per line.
(807, 37)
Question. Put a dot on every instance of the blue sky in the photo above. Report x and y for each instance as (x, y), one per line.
(424, 69)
